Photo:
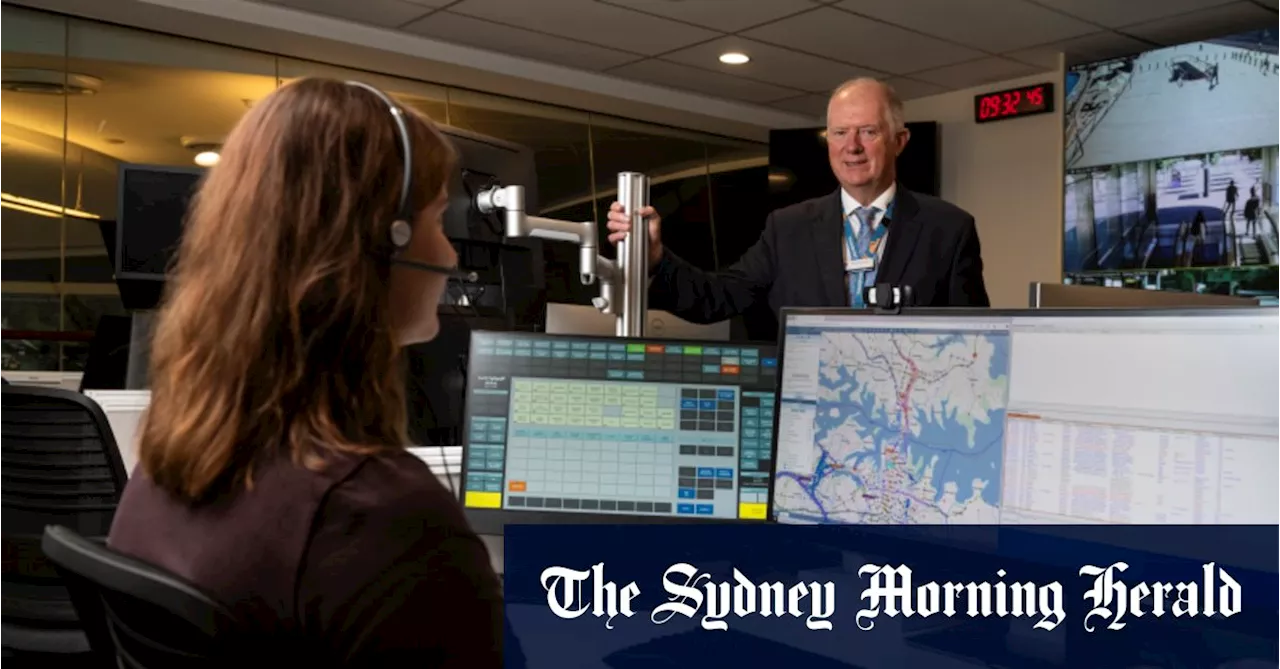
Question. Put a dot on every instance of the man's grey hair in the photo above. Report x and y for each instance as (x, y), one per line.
(893, 104)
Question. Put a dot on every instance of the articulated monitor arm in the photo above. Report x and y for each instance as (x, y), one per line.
(621, 295)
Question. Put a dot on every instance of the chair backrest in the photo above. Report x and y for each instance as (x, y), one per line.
(59, 464)
(145, 615)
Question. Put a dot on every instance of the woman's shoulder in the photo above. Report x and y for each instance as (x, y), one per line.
(397, 486)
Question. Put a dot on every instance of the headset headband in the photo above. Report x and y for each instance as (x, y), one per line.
(401, 229)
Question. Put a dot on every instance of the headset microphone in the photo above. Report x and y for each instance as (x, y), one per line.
(452, 272)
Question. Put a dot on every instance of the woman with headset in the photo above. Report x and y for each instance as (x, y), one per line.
(272, 470)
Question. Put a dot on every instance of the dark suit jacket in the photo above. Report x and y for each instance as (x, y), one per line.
(932, 247)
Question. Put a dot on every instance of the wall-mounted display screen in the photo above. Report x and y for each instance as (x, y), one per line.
(1171, 168)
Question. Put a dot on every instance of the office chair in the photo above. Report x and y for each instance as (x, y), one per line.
(60, 466)
(142, 615)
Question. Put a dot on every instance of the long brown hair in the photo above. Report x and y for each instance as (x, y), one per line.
(275, 334)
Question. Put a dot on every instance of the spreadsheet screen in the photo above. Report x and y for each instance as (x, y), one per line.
(596, 425)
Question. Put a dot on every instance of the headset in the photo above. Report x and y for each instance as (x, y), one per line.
(401, 228)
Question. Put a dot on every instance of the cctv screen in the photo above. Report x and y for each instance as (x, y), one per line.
(602, 425)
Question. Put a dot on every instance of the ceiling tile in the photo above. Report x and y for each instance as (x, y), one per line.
(1205, 24)
(674, 75)
(723, 15)
(853, 39)
(460, 29)
(910, 89)
(975, 73)
(1098, 46)
(814, 105)
(382, 13)
(1116, 13)
(989, 25)
(771, 64)
(589, 21)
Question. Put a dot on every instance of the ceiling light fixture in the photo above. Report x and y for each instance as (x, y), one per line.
(39, 208)
(48, 82)
(207, 158)
(734, 58)
(207, 150)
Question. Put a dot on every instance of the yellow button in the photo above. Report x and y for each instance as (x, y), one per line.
(484, 500)
(749, 510)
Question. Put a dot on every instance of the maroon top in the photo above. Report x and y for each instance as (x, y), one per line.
(367, 562)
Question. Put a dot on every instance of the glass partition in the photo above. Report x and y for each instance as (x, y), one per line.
(80, 99)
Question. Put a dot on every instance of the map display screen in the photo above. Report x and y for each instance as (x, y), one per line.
(892, 422)
(1028, 418)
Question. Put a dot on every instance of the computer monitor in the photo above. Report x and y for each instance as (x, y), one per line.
(153, 202)
(580, 429)
(1077, 416)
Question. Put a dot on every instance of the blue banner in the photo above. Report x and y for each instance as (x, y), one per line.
(778, 597)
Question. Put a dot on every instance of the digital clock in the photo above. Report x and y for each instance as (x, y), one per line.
(1013, 103)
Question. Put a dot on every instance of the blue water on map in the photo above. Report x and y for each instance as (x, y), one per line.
(942, 436)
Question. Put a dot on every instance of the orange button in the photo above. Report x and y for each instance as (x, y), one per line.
(516, 486)
(655, 348)
(728, 369)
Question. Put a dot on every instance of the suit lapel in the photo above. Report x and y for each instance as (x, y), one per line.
(904, 234)
(828, 236)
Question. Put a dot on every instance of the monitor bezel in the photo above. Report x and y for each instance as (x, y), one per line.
(976, 313)
(493, 521)
(122, 172)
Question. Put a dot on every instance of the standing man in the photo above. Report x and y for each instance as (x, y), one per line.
(823, 252)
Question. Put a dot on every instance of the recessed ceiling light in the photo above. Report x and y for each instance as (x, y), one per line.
(207, 158)
(734, 58)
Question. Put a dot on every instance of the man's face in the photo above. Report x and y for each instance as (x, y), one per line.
(861, 143)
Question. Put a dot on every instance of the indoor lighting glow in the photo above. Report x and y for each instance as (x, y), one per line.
(41, 208)
(734, 58)
(207, 158)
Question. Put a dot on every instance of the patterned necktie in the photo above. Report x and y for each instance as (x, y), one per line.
(858, 245)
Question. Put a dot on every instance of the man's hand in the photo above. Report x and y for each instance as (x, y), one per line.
(620, 225)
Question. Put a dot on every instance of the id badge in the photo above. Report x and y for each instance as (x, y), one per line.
(860, 265)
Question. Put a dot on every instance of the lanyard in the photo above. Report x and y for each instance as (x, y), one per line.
(866, 245)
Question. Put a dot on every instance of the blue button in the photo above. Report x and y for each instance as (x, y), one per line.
(711, 369)
(688, 493)
(706, 510)
(706, 472)
(750, 353)
(724, 473)
(707, 405)
(684, 508)
(689, 404)
(617, 374)
(726, 394)
(750, 422)
(635, 375)
(768, 362)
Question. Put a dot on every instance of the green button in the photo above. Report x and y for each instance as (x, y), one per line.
(635, 348)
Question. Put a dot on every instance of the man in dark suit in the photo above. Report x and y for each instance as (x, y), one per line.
(823, 252)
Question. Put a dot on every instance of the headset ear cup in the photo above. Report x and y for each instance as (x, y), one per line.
(401, 233)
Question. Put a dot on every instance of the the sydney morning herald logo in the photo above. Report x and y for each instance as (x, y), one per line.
(891, 591)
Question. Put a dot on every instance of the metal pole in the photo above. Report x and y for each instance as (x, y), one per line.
(633, 254)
